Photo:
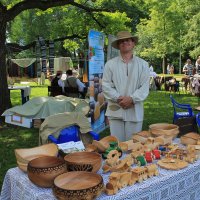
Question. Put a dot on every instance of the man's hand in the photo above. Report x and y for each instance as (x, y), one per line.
(125, 102)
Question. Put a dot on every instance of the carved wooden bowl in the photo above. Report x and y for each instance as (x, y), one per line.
(164, 129)
(28, 154)
(78, 185)
(43, 170)
(83, 161)
(104, 143)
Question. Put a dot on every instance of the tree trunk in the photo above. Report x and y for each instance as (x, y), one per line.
(5, 102)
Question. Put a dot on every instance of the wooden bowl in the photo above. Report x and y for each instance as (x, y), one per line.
(83, 161)
(43, 170)
(164, 129)
(104, 143)
(190, 138)
(78, 185)
(26, 155)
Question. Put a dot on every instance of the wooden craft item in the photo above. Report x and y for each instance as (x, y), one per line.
(78, 185)
(152, 170)
(104, 143)
(27, 154)
(123, 146)
(164, 129)
(190, 138)
(96, 111)
(134, 146)
(138, 138)
(43, 170)
(23, 156)
(163, 140)
(145, 134)
(150, 147)
(100, 99)
(91, 148)
(138, 174)
(122, 166)
(172, 164)
(83, 161)
(112, 158)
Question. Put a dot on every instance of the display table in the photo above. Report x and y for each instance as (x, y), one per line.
(169, 185)
(25, 92)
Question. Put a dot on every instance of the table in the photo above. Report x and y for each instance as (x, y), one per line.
(25, 92)
(169, 185)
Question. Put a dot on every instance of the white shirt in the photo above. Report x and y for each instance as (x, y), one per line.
(121, 79)
(61, 84)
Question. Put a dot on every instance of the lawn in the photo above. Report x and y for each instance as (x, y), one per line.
(158, 108)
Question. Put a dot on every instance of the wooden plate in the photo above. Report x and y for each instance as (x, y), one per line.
(76, 184)
(172, 164)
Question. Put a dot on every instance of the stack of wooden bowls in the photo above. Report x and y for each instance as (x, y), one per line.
(23, 156)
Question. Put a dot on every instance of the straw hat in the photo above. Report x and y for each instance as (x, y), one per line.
(123, 35)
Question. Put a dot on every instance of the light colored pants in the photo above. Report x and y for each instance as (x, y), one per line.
(124, 130)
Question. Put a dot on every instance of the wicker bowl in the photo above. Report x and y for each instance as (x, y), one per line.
(83, 161)
(164, 129)
(78, 185)
(26, 155)
(104, 143)
(43, 170)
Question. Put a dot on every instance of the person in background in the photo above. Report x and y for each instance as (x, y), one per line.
(171, 69)
(125, 85)
(168, 68)
(198, 66)
(188, 68)
(196, 63)
(57, 81)
(74, 82)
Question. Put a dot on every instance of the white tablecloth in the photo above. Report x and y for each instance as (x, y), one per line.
(169, 185)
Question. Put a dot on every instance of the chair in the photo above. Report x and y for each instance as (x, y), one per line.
(70, 133)
(72, 92)
(181, 110)
(54, 91)
(198, 119)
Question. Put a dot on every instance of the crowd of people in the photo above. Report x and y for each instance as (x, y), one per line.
(70, 81)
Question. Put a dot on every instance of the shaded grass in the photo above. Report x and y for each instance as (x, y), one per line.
(158, 108)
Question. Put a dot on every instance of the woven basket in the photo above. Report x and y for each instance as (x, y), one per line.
(165, 129)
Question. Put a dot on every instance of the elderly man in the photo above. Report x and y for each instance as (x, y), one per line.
(125, 85)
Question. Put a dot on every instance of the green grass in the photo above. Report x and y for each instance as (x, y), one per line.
(158, 108)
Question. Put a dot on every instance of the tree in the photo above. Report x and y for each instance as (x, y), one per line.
(160, 33)
(8, 12)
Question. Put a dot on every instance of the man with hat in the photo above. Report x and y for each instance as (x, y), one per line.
(125, 85)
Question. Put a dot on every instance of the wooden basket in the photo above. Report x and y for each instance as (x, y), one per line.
(160, 129)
